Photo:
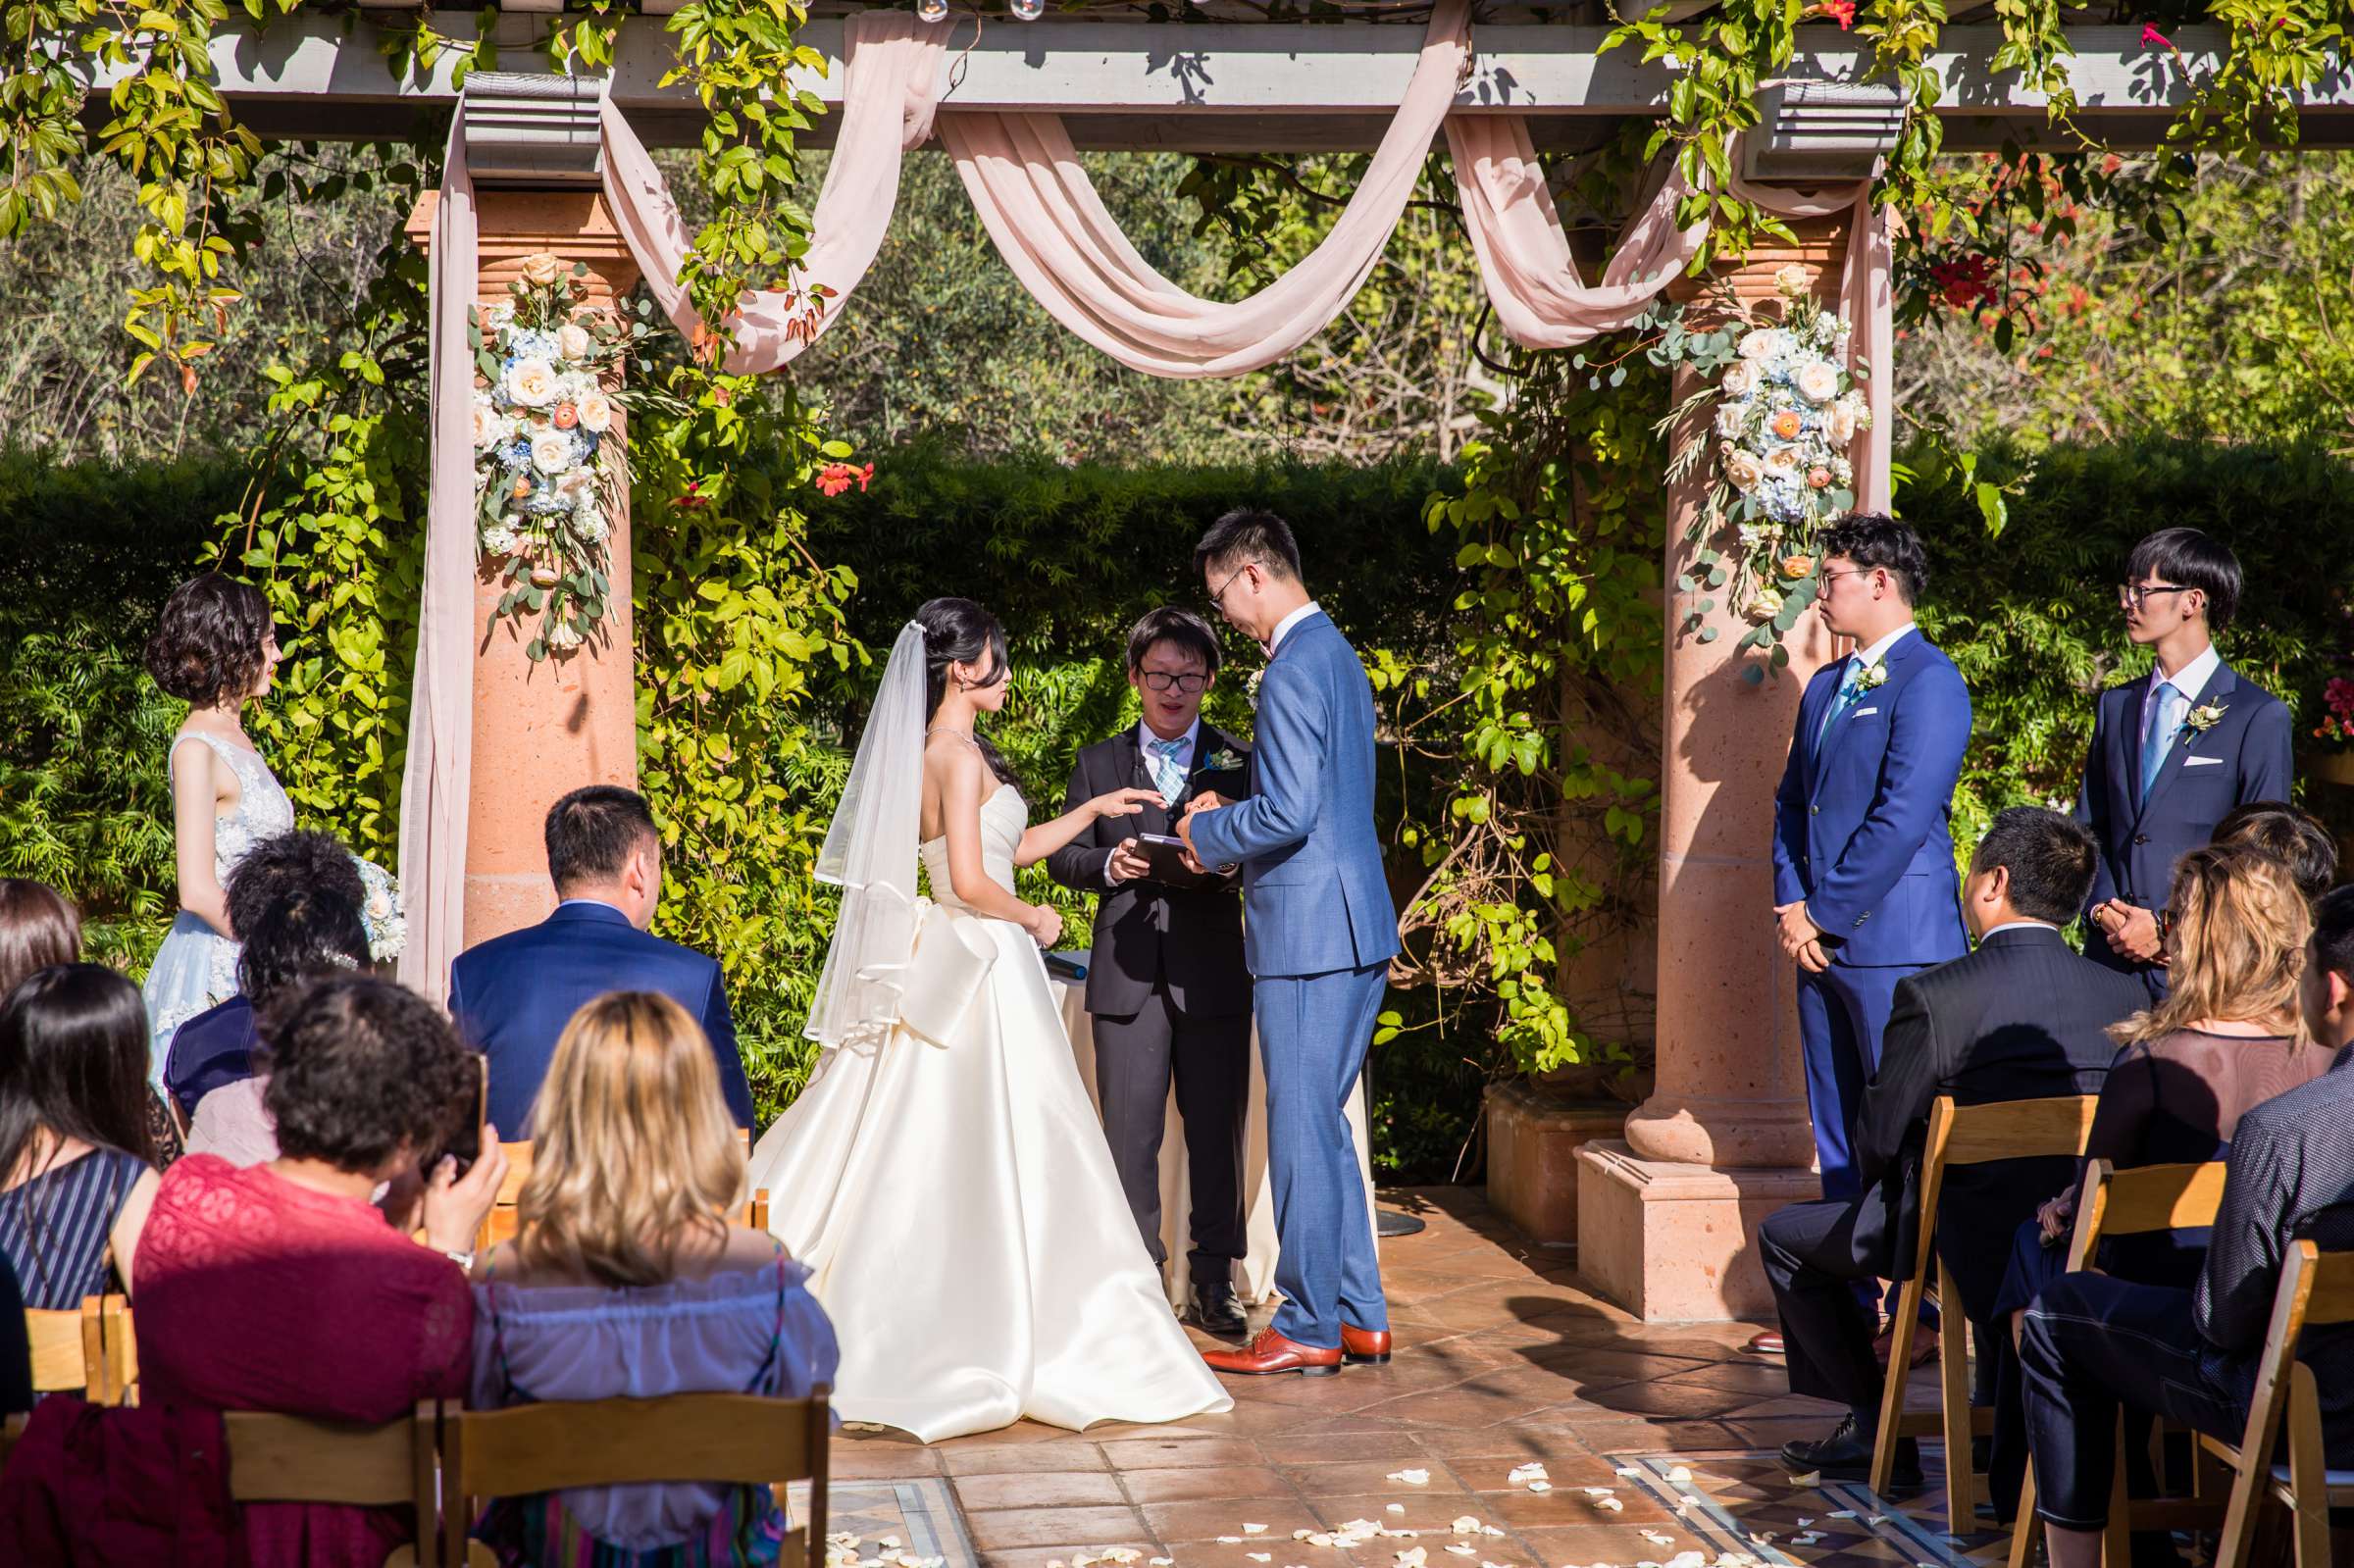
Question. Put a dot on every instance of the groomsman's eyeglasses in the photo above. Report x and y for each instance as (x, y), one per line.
(2132, 595)
(1162, 681)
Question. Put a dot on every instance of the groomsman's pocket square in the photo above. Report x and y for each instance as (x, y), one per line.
(1862, 713)
(2202, 762)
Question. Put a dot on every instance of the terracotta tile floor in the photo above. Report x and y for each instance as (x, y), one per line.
(1501, 1359)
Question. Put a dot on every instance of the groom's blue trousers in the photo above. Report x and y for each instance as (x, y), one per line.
(1313, 1030)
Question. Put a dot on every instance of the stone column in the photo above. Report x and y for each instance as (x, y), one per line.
(542, 730)
(1668, 1217)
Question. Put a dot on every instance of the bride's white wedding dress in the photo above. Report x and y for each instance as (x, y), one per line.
(953, 1194)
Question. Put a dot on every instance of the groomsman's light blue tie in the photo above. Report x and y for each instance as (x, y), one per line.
(1851, 691)
(2163, 725)
(1166, 775)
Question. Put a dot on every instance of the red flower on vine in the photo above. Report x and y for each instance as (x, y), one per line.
(2339, 696)
(1842, 12)
(836, 477)
(693, 497)
(1965, 281)
(2150, 35)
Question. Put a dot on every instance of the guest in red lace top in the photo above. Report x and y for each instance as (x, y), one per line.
(282, 1287)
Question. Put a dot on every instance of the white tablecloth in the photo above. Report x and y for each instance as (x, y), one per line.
(1255, 1280)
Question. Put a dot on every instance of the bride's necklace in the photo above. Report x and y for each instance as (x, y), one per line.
(951, 729)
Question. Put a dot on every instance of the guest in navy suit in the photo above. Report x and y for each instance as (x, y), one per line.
(1864, 890)
(2175, 750)
(513, 994)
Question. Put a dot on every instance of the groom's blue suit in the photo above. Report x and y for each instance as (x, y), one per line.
(1318, 932)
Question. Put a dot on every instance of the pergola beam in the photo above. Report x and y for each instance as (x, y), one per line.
(1236, 86)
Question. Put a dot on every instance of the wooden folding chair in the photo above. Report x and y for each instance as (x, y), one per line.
(87, 1350)
(2317, 1290)
(282, 1458)
(1960, 1134)
(2132, 1202)
(742, 1439)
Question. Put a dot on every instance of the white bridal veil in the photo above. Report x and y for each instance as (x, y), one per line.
(870, 854)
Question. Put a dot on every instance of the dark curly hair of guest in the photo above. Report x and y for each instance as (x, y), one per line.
(207, 647)
(358, 1068)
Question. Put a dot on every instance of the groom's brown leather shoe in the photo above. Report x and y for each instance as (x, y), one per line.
(1363, 1346)
(1271, 1353)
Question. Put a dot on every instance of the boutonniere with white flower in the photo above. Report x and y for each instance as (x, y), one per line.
(2198, 721)
(1223, 760)
(1875, 676)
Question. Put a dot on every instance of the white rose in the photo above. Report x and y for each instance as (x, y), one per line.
(1782, 459)
(1767, 605)
(1742, 471)
(551, 451)
(1757, 343)
(572, 340)
(1728, 422)
(531, 382)
(488, 427)
(1791, 280)
(498, 539)
(1839, 422)
(589, 523)
(1818, 382)
(595, 410)
(563, 634)
(1740, 378)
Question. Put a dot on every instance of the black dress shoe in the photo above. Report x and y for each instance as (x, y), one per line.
(1217, 1311)
(1846, 1455)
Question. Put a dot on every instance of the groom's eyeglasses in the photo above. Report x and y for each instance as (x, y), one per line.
(1217, 597)
(1161, 681)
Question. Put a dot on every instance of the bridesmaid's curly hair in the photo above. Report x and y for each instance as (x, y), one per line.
(207, 647)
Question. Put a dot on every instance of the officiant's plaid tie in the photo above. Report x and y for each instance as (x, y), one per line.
(1166, 775)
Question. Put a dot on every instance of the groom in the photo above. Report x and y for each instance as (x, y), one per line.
(1319, 929)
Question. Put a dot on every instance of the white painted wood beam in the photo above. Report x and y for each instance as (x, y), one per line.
(1232, 87)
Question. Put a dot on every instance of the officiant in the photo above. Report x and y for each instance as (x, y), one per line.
(1166, 991)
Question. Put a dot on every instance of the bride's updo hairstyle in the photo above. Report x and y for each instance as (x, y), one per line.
(961, 631)
(207, 647)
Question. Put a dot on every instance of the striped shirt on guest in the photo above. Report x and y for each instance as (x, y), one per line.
(54, 1227)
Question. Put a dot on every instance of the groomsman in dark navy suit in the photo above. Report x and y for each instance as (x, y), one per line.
(2174, 752)
(512, 995)
(1865, 889)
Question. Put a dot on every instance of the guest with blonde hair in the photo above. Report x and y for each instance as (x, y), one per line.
(626, 1280)
(2222, 1040)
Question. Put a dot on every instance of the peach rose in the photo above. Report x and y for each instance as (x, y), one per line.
(1787, 425)
(541, 270)
(1742, 471)
(566, 416)
(523, 488)
(1818, 382)
(596, 412)
(1818, 479)
(1796, 566)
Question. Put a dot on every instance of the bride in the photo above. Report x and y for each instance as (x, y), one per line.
(944, 1176)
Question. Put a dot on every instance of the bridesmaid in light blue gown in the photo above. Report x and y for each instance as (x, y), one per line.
(215, 648)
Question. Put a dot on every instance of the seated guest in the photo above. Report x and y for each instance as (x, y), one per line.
(2021, 1018)
(625, 1281)
(2294, 837)
(2227, 1038)
(283, 1287)
(16, 1347)
(75, 1183)
(312, 873)
(2092, 1341)
(38, 928)
(513, 994)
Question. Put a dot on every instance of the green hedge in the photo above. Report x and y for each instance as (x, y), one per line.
(1070, 556)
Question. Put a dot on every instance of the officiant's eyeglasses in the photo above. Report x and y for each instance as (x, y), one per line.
(2133, 594)
(1163, 681)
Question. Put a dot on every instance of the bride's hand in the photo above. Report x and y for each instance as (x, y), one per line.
(1045, 924)
(1124, 802)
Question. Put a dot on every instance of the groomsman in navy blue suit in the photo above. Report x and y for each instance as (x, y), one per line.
(2173, 751)
(513, 994)
(1865, 889)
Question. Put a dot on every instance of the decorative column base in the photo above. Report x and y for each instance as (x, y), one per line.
(1671, 1241)
(1533, 1140)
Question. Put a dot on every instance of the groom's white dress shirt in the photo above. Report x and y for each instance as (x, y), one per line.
(1290, 620)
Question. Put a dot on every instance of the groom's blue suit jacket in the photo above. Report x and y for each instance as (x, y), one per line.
(512, 995)
(1861, 821)
(1314, 897)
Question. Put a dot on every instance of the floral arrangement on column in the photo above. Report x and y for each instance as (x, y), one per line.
(543, 413)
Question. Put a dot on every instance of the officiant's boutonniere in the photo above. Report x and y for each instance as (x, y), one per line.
(2198, 721)
(1875, 676)
(1223, 760)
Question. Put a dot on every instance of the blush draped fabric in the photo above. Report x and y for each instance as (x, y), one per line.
(1052, 230)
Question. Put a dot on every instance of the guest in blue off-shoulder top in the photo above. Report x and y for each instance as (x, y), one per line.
(626, 1280)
